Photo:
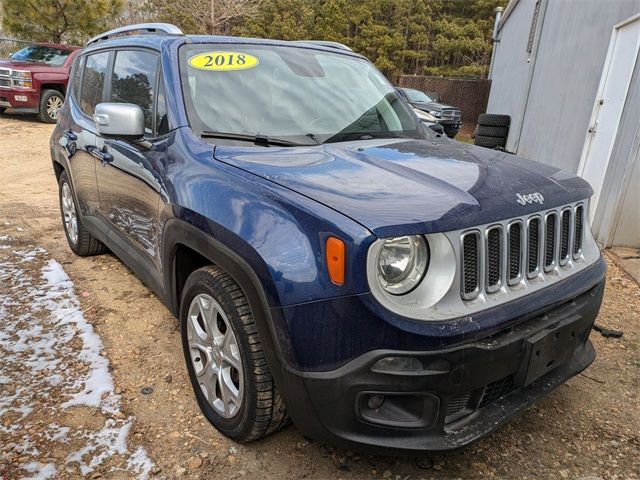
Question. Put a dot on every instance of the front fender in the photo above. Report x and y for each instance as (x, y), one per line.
(279, 233)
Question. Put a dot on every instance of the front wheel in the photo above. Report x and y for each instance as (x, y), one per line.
(50, 103)
(2, 110)
(227, 366)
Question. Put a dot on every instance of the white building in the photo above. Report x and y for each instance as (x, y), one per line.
(567, 72)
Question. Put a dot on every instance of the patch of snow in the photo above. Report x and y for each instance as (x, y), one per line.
(40, 471)
(110, 440)
(140, 463)
(98, 383)
(50, 351)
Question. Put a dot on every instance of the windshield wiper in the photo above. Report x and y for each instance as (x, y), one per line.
(261, 140)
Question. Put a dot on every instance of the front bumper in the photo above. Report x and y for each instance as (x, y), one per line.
(19, 98)
(459, 395)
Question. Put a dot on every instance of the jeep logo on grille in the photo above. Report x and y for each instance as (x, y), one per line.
(530, 198)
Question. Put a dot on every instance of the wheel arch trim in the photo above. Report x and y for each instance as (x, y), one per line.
(178, 233)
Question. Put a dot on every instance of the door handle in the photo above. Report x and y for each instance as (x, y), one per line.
(70, 144)
(69, 135)
(101, 154)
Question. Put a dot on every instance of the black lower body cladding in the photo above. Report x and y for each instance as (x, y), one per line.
(455, 396)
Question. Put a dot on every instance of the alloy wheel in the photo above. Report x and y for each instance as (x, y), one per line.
(215, 355)
(53, 104)
(69, 213)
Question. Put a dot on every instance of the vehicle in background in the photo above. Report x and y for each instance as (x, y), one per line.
(429, 120)
(449, 117)
(34, 79)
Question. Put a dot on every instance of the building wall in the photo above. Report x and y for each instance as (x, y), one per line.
(469, 95)
(511, 68)
(565, 67)
(550, 96)
(617, 219)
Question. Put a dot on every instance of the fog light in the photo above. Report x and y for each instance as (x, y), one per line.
(375, 401)
(397, 365)
(20, 98)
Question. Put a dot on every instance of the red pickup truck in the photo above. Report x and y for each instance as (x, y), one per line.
(34, 79)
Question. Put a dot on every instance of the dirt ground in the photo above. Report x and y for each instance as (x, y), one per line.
(587, 428)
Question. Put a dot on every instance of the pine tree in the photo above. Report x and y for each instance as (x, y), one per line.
(58, 20)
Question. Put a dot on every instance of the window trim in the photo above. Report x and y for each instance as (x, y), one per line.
(77, 73)
(159, 81)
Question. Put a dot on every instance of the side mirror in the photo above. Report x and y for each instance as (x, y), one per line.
(119, 120)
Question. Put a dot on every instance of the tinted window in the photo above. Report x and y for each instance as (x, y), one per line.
(134, 80)
(93, 81)
(42, 54)
(417, 96)
(77, 75)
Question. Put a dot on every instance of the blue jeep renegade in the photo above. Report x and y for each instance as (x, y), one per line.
(330, 259)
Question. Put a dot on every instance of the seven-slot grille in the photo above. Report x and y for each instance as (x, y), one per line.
(506, 253)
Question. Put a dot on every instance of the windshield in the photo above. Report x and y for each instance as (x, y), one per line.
(297, 94)
(41, 54)
(416, 95)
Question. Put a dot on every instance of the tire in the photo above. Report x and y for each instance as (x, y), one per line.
(2, 110)
(494, 120)
(80, 241)
(489, 142)
(50, 99)
(497, 132)
(256, 408)
(451, 133)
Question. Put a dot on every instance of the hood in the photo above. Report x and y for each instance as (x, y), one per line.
(411, 186)
(427, 106)
(31, 66)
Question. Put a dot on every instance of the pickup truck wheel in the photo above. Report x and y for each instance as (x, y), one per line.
(2, 110)
(227, 366)
(80, 240)
(50, 102)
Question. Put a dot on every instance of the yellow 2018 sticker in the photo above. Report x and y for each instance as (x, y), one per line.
(223, 61)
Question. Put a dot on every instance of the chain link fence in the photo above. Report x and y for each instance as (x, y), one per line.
(10, 45)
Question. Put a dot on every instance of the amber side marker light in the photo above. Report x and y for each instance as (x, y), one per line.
(336, 259)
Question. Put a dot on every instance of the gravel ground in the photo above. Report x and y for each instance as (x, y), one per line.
(587, 428)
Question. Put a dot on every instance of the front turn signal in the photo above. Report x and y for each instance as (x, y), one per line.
(336, 260)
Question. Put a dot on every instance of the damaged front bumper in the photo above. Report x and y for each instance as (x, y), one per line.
(411, 402)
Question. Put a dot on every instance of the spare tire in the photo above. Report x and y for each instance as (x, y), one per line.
(494, 120)
(490, 142)
(498, 132)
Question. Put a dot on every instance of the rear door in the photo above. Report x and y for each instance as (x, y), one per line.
(128, 175)
(79, 132)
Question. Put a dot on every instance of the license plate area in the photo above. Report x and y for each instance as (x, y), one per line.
(547, 350)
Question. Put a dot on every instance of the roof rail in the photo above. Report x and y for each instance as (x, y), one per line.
(145, 27)
(328, 43)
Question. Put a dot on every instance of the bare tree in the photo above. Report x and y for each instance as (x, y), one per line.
(137, 11)
(213, 17)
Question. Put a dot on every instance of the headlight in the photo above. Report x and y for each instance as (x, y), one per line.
(22, 78)
(435, 113)
(402, 263)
